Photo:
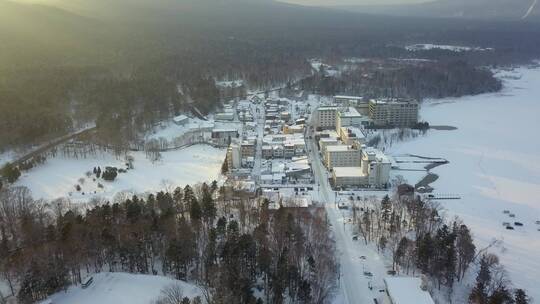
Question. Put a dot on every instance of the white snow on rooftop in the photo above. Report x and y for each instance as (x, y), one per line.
(339, 148)
(348, 171)
(180, 118)
(356, 131)
(379, 155)
(348, 97)
(406, 290)
(351, 112)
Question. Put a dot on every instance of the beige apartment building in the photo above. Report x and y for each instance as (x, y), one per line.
(342, 156)
(326, 117)
(348, 176)
(393, 113)
(376, 166)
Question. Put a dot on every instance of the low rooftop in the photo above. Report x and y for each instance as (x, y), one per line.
(339, 148)
(348, 97)
(348, 171)
(351, 112)
(406, 290)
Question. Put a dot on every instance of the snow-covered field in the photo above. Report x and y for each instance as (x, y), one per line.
(494, 165)
(58, 176)
(122, 288)
(6, 157)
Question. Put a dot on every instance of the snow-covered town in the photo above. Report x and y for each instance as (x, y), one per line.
(269, 152)
(340, 152)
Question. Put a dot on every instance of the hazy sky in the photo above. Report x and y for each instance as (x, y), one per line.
(350, 2)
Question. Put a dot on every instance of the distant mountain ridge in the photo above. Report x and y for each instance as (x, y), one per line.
(105, 32)
(508, 10)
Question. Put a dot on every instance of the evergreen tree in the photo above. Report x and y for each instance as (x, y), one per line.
(10, 172)
(400, 251)
(195, 211)
(520, 297)
(425, 249)
(386, 207)
(208, 206)
(465, 249)
(501, 296)
(479, 293)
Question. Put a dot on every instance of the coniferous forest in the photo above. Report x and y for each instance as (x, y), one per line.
(225, 241)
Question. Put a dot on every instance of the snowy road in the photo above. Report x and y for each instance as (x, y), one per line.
(353, 284)
(259, 117)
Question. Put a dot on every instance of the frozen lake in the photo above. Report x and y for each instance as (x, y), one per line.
(494, 166)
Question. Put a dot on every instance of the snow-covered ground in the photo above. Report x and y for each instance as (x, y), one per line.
(6, 157)
(230, 83)
(58, 176)
(122, 288)
(453, 48)
(494, 165)
(169, 130)
(329, 70)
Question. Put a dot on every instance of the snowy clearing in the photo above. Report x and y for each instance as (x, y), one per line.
(58, 176)
(494, 166)
(122, 288)
(6, 157)
(169, 130)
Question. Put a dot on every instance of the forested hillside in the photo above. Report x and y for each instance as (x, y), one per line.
(419, 80)
(204, 234)
(120, 63)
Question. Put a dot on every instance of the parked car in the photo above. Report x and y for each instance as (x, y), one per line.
(509, 227)
(391, 272)
(355, 238)
(362, 257)
(518, 224)
(368, 274)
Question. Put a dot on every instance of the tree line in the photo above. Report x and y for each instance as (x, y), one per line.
(420, 239)
(233, 246)
(388, 78)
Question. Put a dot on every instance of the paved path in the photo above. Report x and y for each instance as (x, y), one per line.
(43, 148)
(353, 284)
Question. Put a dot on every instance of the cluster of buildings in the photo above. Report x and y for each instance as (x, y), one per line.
(357, 111)
(283, 145)
(241, 153)
(296, 171)
(342, 141)
(351, 163)
(227, 114)
(279, 149)
(278, 118)
(283, 149)
(273, 152)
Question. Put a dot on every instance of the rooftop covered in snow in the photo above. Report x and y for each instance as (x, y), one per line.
(406, 290)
